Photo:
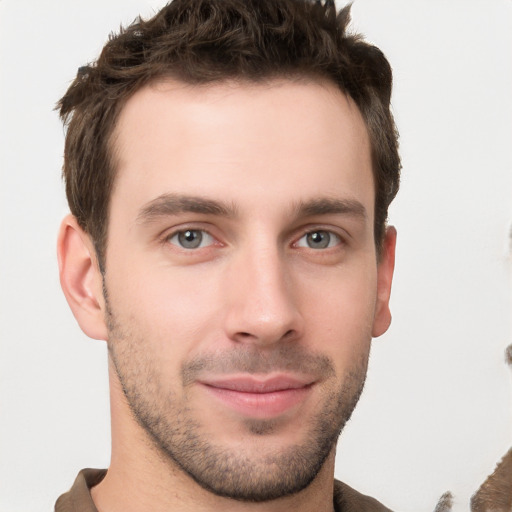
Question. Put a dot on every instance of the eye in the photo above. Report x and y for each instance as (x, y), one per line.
(191, 239)
(319, 239)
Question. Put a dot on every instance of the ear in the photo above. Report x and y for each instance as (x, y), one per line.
(81, 279)
(385, 268)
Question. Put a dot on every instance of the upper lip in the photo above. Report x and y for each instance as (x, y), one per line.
(258, 384)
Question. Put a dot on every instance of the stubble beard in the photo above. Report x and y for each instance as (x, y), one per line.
(223, 470)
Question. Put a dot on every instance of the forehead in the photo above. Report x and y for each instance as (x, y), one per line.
(245, 142)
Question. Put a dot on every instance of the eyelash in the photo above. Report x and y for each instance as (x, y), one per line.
(211, 240)
(183, 232)
(332, 236)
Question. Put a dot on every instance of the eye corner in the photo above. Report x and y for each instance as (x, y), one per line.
(190, 239)
(319, 239)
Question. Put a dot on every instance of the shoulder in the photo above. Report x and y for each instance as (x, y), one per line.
(347, 499)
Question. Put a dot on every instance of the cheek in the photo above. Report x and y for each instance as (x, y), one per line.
(170, 310)
(340, 311)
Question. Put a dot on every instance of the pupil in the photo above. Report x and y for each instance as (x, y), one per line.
(318, 239)
(190, 239)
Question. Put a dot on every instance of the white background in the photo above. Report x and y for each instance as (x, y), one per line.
(437, 410)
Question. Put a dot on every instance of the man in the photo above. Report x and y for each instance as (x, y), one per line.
(229, 165)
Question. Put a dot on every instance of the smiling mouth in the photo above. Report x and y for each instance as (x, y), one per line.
(261, 398)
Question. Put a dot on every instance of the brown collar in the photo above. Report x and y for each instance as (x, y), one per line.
(78, 498)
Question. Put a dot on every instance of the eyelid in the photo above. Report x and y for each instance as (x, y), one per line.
(168, 234)
(206, 239)
(340, 234)
(334, 240)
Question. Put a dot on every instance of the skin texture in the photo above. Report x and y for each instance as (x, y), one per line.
(284, 286)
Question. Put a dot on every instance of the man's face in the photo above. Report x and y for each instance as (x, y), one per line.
(241, 277)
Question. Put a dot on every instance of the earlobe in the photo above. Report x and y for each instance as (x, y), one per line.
(80, 278)
(385, 270)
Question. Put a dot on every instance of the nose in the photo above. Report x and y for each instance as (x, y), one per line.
(262, 302)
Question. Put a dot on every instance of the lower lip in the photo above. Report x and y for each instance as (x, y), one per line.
(260, 405)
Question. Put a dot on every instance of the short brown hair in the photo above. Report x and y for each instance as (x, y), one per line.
(203, 41)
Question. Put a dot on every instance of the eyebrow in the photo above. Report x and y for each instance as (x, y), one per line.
(331, 206)
(174, 204)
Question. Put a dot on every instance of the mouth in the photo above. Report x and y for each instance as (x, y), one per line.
(259, 397)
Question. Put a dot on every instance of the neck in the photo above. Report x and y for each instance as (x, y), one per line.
(142, 479)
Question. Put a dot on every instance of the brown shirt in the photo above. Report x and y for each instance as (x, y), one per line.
(78, 498)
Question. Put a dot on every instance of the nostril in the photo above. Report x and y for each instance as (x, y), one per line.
(265, 337)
